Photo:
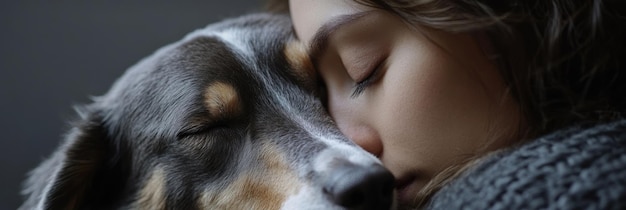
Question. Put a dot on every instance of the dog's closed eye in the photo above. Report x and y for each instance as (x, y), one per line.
(222, 104)
(199, 127)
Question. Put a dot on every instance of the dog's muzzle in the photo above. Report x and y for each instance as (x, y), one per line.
(345, 177)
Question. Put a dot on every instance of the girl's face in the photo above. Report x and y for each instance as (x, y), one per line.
(417, 98)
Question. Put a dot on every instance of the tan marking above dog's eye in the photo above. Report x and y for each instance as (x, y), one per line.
(302, 67)
(222, 100)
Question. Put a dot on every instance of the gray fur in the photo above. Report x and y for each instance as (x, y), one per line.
(139, 123)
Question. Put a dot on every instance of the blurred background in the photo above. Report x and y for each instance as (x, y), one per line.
(55, 54)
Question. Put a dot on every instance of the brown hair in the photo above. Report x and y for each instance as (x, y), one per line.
(562, 59)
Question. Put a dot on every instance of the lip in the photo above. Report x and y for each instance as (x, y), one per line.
(403, 188)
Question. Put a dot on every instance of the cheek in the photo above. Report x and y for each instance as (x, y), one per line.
(431, 108)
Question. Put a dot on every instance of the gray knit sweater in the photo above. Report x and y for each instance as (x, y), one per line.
(575, 168)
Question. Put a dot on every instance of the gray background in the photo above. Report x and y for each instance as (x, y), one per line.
(55, 54)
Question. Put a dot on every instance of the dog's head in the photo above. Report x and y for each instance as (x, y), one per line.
(226, 118)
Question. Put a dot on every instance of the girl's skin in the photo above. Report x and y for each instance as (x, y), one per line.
(419, 99)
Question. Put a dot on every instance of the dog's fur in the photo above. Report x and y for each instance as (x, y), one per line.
(226, 118)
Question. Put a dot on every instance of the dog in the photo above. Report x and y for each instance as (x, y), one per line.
(229, 117)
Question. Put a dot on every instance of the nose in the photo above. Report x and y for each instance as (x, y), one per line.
(359, 187)
(364, 136)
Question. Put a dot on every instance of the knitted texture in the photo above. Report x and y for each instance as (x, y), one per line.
(575, 168)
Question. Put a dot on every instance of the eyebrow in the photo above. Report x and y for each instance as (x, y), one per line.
(319, 43)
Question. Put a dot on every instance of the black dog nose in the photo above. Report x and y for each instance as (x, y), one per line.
(359, 187)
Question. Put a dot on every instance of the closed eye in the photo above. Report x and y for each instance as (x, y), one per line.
(374, 75)
(197, 129)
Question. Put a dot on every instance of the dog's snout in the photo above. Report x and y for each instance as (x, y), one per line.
(360, 187)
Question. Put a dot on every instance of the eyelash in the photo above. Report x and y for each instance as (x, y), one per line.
(374, 75)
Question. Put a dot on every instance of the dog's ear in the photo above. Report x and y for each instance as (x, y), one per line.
(80, 173)
(85, 154)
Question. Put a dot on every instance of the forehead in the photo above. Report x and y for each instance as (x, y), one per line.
(309, 16)
(174, 82)
(197, 76)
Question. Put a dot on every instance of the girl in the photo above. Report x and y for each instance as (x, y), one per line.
(477, 103)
